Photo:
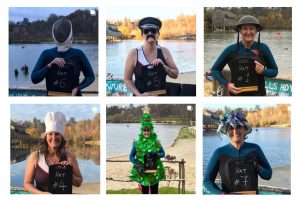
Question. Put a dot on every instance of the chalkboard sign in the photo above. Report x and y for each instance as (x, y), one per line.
(243, 74)
(60, 179)
(154, 79)
(150, 163)
(243, 176)
(63, 79)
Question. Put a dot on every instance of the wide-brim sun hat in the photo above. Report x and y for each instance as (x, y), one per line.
(234, 119)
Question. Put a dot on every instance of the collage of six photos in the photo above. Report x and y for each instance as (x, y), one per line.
(230, 83)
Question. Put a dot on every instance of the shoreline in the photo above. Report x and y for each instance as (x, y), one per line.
(87, 188)
(182, 149)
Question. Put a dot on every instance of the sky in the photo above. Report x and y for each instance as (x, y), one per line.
(136, 13)
(28, 112)
(235, 106)
(39, 13)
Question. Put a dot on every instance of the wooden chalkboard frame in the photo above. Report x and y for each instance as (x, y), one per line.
(150, 163)
(60, 179)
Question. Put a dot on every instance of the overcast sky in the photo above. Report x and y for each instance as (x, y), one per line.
(39, 13)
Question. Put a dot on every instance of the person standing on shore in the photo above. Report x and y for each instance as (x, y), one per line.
(249, 61)
(145, 155)
(61, 66)
(150, 63)
(239, 163)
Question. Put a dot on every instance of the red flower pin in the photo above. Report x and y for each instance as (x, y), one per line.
(255, 52)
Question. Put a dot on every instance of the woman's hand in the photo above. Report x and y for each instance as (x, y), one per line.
(259, 68)
(65, 163)
(156, 62)
(75, 91)
(60, 62)
(233, 89)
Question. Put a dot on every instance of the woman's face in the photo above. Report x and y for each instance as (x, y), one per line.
(248, 33)
(146, 132)
(54, 139)
(150, 35)
(237, 134)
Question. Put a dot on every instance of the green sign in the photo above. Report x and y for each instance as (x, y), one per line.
(278, 87)
(117, 88)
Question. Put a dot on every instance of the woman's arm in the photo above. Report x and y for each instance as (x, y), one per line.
(40, 70)
(271, 70)
(132, 155)
(128, 73)
(211, 173)
(29, 174)
(170, 67)
(265, 170)
(219, 65)
(77, 177)
(87, 70)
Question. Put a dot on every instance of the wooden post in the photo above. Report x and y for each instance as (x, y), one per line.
(180, 176)
(183, 176)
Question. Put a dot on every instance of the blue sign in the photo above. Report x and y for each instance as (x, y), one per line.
(117, 88)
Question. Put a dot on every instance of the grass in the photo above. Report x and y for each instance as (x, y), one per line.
(162, 190)
(186, 133)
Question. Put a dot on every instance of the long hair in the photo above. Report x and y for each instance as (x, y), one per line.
(61, 152)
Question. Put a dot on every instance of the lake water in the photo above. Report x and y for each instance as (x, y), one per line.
(119, 137)
(29, 55)
(183, 53)
(88, 158)
(281, 48)
(275, 143)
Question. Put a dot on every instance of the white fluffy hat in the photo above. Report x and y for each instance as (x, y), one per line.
(55, 121)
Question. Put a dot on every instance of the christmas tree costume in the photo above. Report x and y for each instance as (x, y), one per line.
(143, 146)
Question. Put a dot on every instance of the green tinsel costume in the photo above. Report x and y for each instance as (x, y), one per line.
(145, 145)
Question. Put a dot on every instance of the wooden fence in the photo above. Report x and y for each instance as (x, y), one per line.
(169, 171)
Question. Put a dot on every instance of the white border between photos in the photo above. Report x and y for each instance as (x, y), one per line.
(103, 5)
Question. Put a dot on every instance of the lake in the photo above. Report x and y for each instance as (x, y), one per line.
(275, 143)
(29, 55)
(183, 53)
(88, 158)
(119, 137)
(281, 48)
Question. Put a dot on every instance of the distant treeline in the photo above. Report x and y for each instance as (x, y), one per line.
(270, 18)
(177, 113)
(75, 131)
(85, 28)
(263, 117)
(182, 25)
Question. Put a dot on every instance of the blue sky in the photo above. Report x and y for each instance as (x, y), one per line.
(39, 13)
(136, 13)
(28, 112)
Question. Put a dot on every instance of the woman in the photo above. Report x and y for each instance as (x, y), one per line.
(61, 66)
(149, 63)
(249, 61)
(147, 146)
(239, 163)
(53, 151)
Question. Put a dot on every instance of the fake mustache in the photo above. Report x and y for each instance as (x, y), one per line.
(150, 36)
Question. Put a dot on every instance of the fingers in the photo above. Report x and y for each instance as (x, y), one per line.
(259, 68)
(65, 163)
(157, 62)
(60, 62)
(233, 89)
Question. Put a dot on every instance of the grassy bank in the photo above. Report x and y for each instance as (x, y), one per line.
(162, 190)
